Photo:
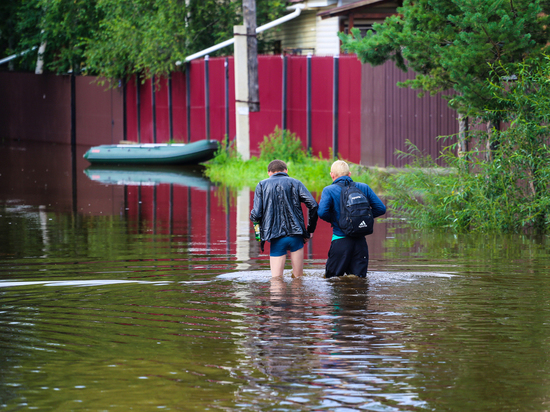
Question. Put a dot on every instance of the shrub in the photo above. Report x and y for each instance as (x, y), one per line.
(504, 188)
(283, 145)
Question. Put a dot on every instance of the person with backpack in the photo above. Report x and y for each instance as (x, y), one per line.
(277, 218)
(350, 208)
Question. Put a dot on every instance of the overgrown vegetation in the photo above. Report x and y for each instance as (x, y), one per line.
(227, 167)
(505, 189)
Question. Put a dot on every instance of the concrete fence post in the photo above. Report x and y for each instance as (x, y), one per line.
(241, 92)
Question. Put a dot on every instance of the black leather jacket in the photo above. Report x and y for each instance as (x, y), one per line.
(277, 207)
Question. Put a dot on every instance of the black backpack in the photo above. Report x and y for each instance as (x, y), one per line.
(356, 217)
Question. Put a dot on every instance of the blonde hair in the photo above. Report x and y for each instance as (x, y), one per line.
(339, 168)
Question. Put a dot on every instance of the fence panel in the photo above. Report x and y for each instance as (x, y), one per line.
(262, 123)
(349, 130)
(321, 104)
(99, 116)
(217, 98)
(131, 110)
(419, 120)
(198, 118)
(296, 96)
(162, 114)
(179, 112)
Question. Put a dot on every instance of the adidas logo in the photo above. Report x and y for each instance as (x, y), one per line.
(362, 224)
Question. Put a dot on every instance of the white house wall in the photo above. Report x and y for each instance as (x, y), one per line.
(309, 33)
(327, 43)
(300, 33)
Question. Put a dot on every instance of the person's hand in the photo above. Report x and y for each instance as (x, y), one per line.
(306, 239)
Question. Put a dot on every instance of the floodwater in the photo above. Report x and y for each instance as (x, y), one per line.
(145, 290)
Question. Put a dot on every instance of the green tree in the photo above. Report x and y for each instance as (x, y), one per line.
(115, 39)
(8, 33)
(454, 44)
(137, 36)
(63, 25)
(149, 36)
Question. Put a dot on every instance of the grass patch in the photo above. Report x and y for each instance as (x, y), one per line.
(474, 195)
(228, 169)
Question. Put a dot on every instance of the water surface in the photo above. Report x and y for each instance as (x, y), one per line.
(122, 290)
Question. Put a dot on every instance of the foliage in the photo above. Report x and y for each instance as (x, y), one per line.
(455, 44)
(63, 25)
(8, 34)
(416, 193)
(509, 194)
(489, 200)
(137, 37)
(283, 145)
(116, 39)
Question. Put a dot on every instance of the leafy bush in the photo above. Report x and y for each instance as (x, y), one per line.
(225, 154)
(283, 145)
(417, 193)
(509, 192)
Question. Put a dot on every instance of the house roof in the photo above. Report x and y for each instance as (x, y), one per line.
(348, 8)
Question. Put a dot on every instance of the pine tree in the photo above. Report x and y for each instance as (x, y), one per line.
(454, 44)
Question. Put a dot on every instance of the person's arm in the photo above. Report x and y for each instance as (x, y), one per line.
(311, 203)
(256, 213)
(325, 206)
(378, 208)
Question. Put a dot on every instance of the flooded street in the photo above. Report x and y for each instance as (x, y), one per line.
(131, 289)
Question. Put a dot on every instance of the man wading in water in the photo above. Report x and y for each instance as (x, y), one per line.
(347, 255)
(278, 218)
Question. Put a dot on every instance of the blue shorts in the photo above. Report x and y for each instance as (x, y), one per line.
(279, 246)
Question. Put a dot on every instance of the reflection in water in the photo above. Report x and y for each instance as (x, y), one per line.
(318, 343)
(148, 175)
(243, 228)
(134, 297)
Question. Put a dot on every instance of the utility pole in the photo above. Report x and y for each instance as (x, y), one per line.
(249, 13)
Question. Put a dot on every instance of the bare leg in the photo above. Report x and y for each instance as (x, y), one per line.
(277, 264)
(297, 260)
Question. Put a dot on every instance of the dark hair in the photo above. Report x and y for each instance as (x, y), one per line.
(277, 166)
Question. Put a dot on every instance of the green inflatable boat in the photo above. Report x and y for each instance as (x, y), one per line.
(153, 153)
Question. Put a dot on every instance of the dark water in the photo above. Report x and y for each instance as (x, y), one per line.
(144, 290)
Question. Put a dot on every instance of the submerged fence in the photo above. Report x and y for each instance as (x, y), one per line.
(333, 104)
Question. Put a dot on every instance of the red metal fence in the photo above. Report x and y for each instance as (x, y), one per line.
(373, 117)
(262, 123)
